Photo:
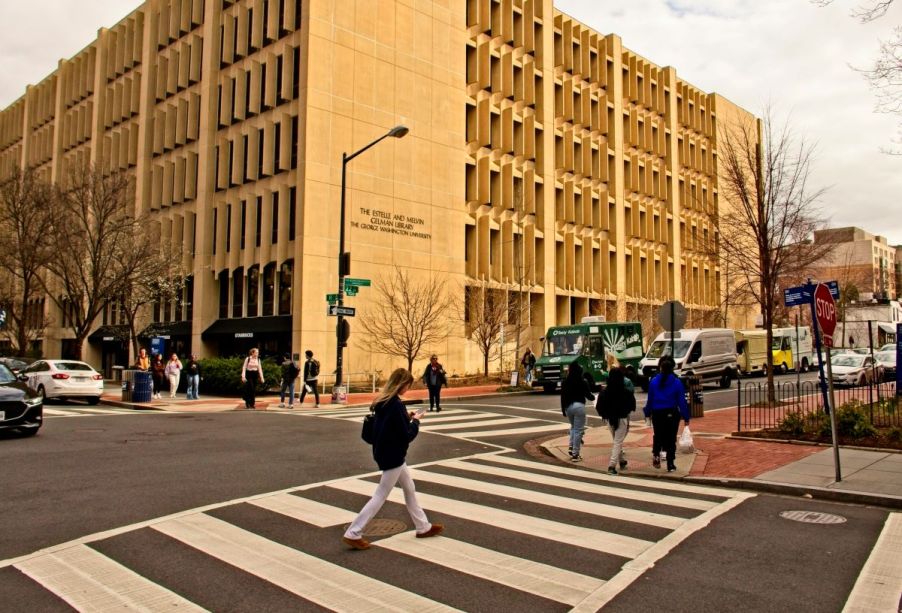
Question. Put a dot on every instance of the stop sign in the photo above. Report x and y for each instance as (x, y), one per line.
(825, 311)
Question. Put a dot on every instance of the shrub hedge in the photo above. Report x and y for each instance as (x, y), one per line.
(222, 376)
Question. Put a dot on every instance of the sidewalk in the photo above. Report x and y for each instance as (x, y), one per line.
(112, 396)
(868, 476)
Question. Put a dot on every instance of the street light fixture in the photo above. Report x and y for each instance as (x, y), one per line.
(344, 259)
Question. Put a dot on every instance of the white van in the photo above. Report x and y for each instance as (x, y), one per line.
(751, 351)
(709, 353)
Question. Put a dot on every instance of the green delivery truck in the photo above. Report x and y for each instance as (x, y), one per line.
(589, 343)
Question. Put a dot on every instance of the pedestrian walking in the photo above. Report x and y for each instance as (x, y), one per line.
(311, 376)
(574, 393)
(394, 429)
(173, 373)
(157, 372)
(192, 373)
(290, 372)
(251, 374)
(665, 405)
(529, 363)
(142, 362)
(434, 377)
(615, 404)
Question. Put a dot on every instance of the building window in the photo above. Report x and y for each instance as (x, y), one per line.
(215, 222)
(285, 275)
(223, 295)
(253, 289)
(292, 211)
(228, 228)
(238, 292)
(275, 218)
(189, 298)
(269, 289)
(243, 222)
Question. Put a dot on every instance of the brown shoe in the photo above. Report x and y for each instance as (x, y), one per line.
(356, 543)
(435, 530)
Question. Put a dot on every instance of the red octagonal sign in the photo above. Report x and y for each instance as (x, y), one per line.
(825, 311)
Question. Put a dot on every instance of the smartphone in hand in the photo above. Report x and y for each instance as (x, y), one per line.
(419, 413)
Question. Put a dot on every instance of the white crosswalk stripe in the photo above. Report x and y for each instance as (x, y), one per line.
(490, 490)
(86, 412)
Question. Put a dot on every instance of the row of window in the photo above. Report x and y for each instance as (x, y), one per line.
(259, 153)
(251, 28)
(265, 85)
(253, 293)
(250, 214)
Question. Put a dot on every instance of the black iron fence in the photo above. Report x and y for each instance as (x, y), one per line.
(805, 401)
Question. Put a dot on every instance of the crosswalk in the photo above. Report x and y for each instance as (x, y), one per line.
(545, 536)
(79, 411)
(462, 421)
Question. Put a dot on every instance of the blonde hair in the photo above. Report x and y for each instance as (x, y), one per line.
(613, 362)
(397, 380)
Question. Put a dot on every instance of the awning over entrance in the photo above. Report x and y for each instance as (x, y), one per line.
(109, 334)
(166, 330)
(248, 327)
(888, 328)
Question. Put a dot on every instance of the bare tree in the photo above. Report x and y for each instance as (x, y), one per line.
(485, 313)
(768, 211)
(406, 316)
(104, 244)
(25, 214)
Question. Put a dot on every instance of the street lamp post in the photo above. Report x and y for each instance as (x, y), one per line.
(344, 259)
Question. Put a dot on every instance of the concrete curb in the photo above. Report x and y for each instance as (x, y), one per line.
(810, 443)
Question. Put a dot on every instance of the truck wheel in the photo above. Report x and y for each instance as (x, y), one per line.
(725, 379)
(549, 388)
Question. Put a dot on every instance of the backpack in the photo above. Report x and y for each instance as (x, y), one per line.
(293, 371)
(314, 369)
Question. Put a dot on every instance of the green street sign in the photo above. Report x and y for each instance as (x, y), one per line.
(349, 282)
(350, 291)
(331, 298)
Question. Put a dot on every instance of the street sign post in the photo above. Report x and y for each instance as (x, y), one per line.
(332, 298)
(351, 290)
(825, 311)
(349, 282)
(672, 316)
(801, 294)
(823, 314)
(343, 311)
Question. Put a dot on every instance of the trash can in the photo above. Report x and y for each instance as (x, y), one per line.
(143, 386)
(695, 396)
(128, 385)
(339, 394)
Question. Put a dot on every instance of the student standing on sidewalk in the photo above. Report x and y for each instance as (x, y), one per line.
(173, 373)
(434, 378)
(290, 372)
(251, 373)
(574, 393)
(394, 429)
(157, 371)
(529, 363)
(615, 404)
(143, 360)
(192, 373)
(666, 403)
(311, 374)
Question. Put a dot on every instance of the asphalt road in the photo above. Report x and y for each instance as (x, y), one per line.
(115, 476)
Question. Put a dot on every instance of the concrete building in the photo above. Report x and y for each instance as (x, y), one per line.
(544, 159)
(858, 260)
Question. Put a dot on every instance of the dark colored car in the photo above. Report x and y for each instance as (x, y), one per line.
(16, 365)
(21, 408)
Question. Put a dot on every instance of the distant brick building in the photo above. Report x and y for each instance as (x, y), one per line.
(858, 259)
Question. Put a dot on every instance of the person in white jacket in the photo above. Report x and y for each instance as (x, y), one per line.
(173, 373)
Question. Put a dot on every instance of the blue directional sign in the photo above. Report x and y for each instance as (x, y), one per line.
(801, 294)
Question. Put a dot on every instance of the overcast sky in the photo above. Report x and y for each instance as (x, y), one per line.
(789, 54)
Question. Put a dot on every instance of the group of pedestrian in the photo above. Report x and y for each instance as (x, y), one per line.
(665, 406)
(170, 372)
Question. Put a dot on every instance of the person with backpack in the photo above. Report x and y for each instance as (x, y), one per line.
(311, 374)
(665, 405)
(290, 372)
(393, 431)
(574, 393)
(615, 404)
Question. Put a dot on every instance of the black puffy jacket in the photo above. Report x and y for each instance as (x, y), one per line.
(393, 430)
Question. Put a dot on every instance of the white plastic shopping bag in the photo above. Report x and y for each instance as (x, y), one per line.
(685, 444)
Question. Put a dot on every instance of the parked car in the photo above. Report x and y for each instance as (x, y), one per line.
(16, 365)
(855, 369)
(888, 347)
(21, 409)
(887, 361)
(63, 379)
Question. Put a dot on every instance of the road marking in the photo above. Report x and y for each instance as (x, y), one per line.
(552, 500)
(597, 540)
(634, 569)
(305, 510)
(658, 484)
(533, 429)
(476, 423)
(533, 577)
(591, 488)
(474, 417)
(315, 580)
(90, 581)
(879, 585)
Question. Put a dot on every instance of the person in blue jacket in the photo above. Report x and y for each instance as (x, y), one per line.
(665, 405)
(393, 431)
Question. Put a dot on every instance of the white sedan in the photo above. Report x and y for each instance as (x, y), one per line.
(64, 379)
(855, 369)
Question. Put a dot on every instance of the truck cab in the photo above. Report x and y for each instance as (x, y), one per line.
(589, 343)
(792, 349)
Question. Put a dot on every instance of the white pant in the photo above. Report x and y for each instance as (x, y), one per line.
(386, 483)
(623, 428)
(173, 384)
